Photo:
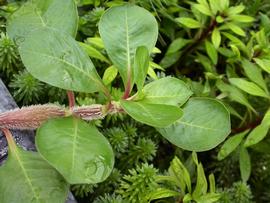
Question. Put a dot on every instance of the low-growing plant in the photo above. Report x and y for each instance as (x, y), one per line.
(72, 151)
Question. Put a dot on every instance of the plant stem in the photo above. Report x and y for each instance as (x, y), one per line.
(71, 99)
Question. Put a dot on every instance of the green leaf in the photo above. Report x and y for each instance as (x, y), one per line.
(249, 87)
(160, 193)
(256, 135)
(180, 173)
(141, 64)
(203, 8)
(94, 53)
(216, 38)
(201, 184)
(235, 94)
(215, 6)
(189, 22)
(230, 145)
(26, 177)
(177, 45)
(263, 63)
(168, 90)
(60, 61)
(212, 183)
(76, 149)
(204, 125)
(245, 164)
(236, 29)
(242, 18)
(233, 10)
(130, 28)
(211, 51)
(109, 75)
(37, 14)
(157, 115)
(254, 73)
(209, 198)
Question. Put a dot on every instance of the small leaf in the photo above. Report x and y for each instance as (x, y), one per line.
(245, 164)
(33, 15)
(109, 75)
(263, 63)
(233, 10)
(256, 135)
(211, 51)
(204, 125)
(60, 61)
(26, 177)
(94, 53)
(157, 115)
(201, 184)
(216, 38)
(204, 9)
(76, 149)
(249, 87)
(242, 18)
(254, 73)
(209, 198)
(170, 91)
(189, 22)
(212, 183)
(236, 29)
(160, 193)
(141, 64)
(230, 145)
(131, 28)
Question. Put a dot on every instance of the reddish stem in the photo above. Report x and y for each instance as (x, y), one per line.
(9, 138)
(71, 99)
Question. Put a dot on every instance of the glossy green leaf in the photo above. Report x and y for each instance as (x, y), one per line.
(216, 38)
(109, 75)
(249, 87)
(204, 125)
(189, 22)
(170, 91)
(60, 61)
(141, 64)
(257, 135)
(157, 115)
(36, 14)
(230, 145)
(254, 73)
(263, 63)
(211, 51)
(26, 177)
(76, 149)
(94, 53)
(131, 27)
(245, 164)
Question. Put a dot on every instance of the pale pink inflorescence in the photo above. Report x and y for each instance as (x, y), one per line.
(30, 117)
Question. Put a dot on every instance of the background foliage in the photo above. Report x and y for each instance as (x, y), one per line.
(222, 50)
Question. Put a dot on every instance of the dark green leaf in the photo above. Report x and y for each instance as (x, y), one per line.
(245, 164)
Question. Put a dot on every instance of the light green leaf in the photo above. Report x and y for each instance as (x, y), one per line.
(94, 53)
(212, 183)
(254, 73)
(60, 61)
(209, 198)
(37, 14)
(236, 29)
(177, 45)
(204, 125)
(160, 193)
(203, 8)
(141, 64)
(215, 6)
(201, 184)
(189, 22)
(157, 115)
(256, 135)
(216, 38)
(76, 149)
(245, 164)
(211, 51)
(131, 27)
(109, 75)
(170, 91)
(96, 41)
(233, 10)
(26, 177)
(242, 18)
(249, 87)
(230, 145)
(263, 63)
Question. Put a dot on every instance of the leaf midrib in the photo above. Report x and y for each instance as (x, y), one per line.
(74, 146)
